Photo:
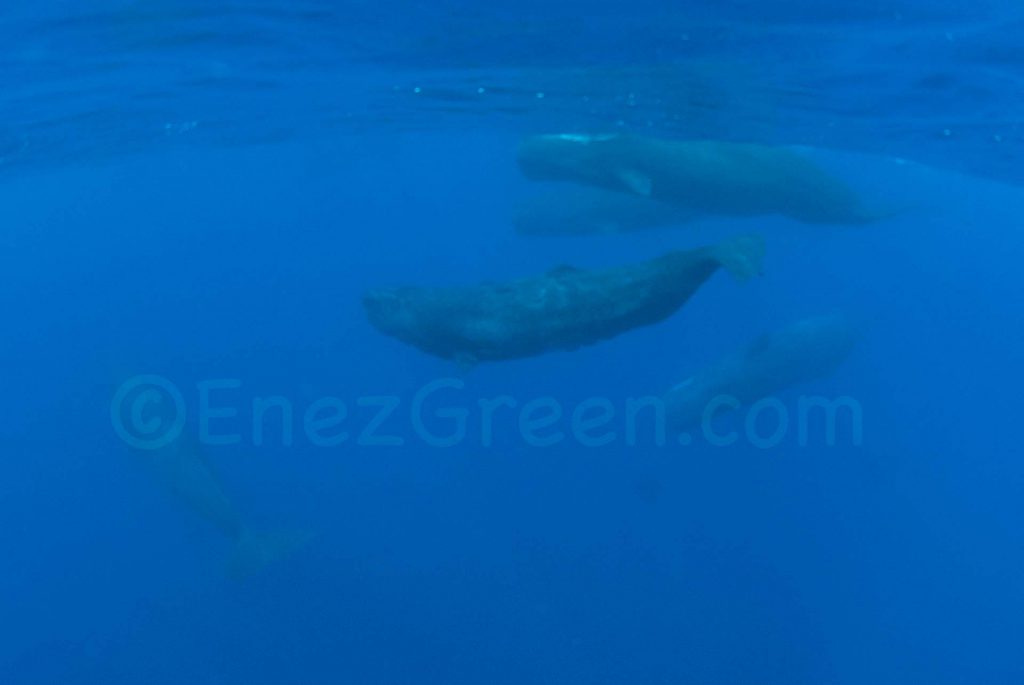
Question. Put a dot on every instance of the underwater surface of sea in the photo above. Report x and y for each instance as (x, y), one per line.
(311, 374)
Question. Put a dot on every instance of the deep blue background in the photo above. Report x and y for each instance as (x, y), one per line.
(242, 252)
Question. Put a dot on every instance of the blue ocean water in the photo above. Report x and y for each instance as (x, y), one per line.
(203, 191)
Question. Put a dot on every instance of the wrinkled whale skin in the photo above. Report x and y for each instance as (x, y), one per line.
(562, 310)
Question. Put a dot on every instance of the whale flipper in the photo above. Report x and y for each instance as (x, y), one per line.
(636, 182)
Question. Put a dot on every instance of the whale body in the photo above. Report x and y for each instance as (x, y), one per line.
(562, 310)
(807, 350)
(700, 176)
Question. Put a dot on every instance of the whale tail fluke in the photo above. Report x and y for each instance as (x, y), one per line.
(254, 551)
(741, 256)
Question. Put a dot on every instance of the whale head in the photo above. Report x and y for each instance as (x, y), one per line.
(559, 157)
(389, 311)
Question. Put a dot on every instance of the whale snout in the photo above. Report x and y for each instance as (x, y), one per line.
(384, 307)
(554, 157)
(540, 158)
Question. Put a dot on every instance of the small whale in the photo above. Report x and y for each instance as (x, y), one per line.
(804, 351)
(564, 309)
(699, 176)
(579, 210)
(190, 477)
